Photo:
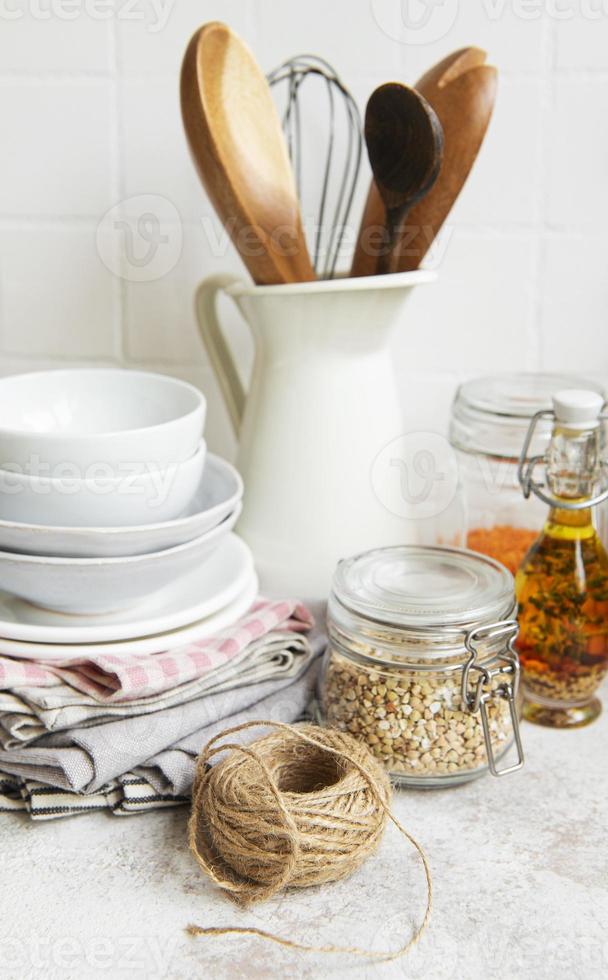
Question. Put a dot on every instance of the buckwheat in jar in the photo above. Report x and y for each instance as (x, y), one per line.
(420, 663)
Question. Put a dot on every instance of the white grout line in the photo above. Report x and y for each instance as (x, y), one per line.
(118, 181)
(476, 231)
(41, 78)
(548, 55)
(66, 77)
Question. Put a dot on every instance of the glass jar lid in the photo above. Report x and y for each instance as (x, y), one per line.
(421, 589)
(491, 415)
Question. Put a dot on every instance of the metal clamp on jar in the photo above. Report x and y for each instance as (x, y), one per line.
(421, 663)
(507, 673)
(582, 410)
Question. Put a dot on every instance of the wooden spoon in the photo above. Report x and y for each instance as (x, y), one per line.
(462, 90)
(239, 151)
(405, 145)
(450, 68)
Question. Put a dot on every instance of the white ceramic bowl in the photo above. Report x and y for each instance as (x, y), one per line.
(99, 416)
(133, 499)
(104, 585)
(218, 496)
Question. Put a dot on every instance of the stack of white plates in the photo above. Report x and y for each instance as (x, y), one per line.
(111, 451)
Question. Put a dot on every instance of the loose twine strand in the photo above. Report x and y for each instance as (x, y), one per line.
(307, 823)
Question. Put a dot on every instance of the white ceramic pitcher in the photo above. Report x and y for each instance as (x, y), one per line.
(322, 404)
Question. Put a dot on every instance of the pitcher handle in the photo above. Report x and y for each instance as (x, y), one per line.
(219, 353)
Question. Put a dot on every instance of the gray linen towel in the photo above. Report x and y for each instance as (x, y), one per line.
(85, 759)
(162, 781)
(27, 713)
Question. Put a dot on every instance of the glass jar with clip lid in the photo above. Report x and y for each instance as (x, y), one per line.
(490, 419)
(421, 664)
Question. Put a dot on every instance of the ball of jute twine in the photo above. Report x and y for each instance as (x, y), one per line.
(299, 807)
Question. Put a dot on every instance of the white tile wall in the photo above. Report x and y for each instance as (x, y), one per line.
(479, 314)
(574, 324)
(497, 194)
(582, 42)
(156, 158)
(89, 115)
(570, 151)
(512, 30)
(346, 33)
(58, 156)
(32, 44)
(159, 321)
(57, 298)
(153, 34)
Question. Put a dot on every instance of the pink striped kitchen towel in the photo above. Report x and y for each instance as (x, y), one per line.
(115, 678)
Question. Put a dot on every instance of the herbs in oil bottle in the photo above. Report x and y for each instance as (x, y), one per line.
(562, 584)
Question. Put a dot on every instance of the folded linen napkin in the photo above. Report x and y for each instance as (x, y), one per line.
(45, 785)
(86, 758)
(27, 713)
(114, 678)
(88, 689)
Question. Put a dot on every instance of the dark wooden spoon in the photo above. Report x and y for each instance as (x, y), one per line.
(405, 146)
(462, 91)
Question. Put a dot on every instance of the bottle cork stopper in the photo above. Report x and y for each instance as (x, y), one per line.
(577, 408)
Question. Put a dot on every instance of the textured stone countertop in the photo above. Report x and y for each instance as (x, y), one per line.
(520, 869)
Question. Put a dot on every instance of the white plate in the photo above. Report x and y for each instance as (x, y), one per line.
(202, 593)
(218, 495)
(159, 643)
(101, 586)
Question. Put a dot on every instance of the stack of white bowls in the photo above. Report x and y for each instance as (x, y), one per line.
(109, 500)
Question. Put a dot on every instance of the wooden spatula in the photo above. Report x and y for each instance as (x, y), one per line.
(462, 91)
(239, 151)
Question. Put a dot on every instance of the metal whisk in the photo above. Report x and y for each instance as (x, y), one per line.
(343, 154)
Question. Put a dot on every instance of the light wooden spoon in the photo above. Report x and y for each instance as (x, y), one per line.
(462, 90)
(405, 145)
(239, 151)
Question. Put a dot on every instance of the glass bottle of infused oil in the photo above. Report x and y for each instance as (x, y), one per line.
(562, 583)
